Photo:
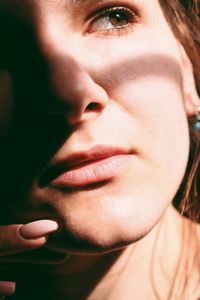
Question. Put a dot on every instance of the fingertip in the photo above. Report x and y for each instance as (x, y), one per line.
(37, 229)
(7, 288)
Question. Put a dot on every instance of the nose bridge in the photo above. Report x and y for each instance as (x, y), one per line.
(69, 77)
(59, 49)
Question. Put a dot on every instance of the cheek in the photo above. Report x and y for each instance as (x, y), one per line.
(161, 132)
(149, 90)
(153, 101)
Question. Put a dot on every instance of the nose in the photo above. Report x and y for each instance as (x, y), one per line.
(71, 76)
(79, 97)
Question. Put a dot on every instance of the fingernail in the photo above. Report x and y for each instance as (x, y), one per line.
(37, 229)
(7, 288)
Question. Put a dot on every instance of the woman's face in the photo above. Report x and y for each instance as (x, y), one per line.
(95, 134)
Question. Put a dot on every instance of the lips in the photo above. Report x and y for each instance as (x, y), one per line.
(84, 168)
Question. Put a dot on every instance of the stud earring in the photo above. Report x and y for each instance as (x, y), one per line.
(196, 124)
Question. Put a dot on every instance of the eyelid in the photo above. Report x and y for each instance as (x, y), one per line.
(117, 31)
(100, 8)
(105, 12)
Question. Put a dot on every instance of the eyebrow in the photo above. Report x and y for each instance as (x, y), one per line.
(67, 2)
(5, 4)
(73, 2)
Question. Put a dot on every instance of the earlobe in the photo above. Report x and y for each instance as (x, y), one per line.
(196, 123)
(191, 97)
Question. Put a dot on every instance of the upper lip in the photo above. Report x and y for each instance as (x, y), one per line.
(73, 160)
(95, 153)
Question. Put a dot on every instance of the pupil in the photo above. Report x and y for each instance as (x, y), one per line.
(118, 19)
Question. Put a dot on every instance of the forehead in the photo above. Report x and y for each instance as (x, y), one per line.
(36, 11)
(17, 4)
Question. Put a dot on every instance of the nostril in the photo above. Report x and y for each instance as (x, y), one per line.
(94, 106)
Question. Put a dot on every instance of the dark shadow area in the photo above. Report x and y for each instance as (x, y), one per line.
(40, 127)
(33, 281)
(39, 124)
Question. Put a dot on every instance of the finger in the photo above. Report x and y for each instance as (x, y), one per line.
(7, 288)
(17, 238)
(38, 256)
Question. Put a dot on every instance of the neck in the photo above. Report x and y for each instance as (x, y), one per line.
(141, 270)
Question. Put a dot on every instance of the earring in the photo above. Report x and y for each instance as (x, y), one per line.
(196, 124)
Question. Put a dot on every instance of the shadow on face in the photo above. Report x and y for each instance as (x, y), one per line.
(39, 123)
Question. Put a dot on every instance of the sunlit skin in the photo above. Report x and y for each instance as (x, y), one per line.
(121, 86)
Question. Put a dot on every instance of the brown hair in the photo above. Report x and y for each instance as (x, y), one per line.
(184, 18)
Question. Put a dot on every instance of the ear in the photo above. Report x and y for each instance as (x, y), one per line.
(191, 98)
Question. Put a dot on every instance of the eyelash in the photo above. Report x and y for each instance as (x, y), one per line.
(132, 19)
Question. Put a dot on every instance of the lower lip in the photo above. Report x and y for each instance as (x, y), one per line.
(93, 172)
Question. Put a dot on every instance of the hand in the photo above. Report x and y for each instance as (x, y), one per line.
(19, 238)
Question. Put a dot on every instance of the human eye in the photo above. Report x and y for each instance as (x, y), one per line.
(113, 20)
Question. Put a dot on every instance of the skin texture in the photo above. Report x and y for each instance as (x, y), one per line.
(70, 86)
(135, 85)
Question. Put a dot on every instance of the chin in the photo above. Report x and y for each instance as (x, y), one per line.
(99, 239)
(83, 246)
(103, 219)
